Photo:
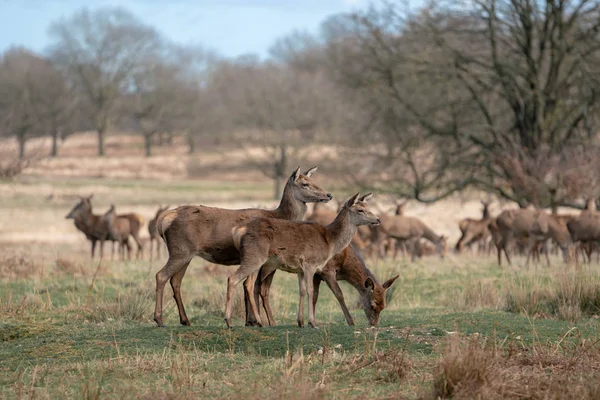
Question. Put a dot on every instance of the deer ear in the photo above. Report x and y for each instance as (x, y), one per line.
(389, 282)
(311, 171)
(367, 197)
(369, 284)
(295, 175)
(352, 200)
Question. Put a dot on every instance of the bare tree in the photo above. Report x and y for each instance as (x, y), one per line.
(500, 88)
(278, 109)
(23, 89)
(100, 50)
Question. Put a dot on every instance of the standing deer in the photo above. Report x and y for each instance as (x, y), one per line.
(403, 228)
(121, 227)
(190, 231)
(474, 230)
(347, 266)
(533, 225)
(154, 236)
(303, 248)
(92, 225)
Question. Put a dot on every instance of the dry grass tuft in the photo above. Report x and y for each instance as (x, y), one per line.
(480, 295)
(134, 303)
(475, 368)
(19, 267)
(566, 295)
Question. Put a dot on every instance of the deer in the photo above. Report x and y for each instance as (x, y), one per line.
(585, 228)
(349, 266)
(190, 231)
(532, 224)
(325, 216)
(92, 225)
(474, 230)
(153, 232)
(404, 228)
(121, 227)
(301, 247)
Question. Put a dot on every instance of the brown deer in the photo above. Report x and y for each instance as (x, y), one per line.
(121, 227)
(404, 228)
(92, 225)
(534, 225)
(347, 266)
(324, 216)
(190, 231)
(303, 248)
(585, 228)
(474, 230)
(154, 236)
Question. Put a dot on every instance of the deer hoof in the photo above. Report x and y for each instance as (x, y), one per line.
(228, 322)
(300, 324)
(314, 326)
(159, 322)
(185, 323)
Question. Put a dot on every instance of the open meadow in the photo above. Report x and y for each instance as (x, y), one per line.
(460, 327)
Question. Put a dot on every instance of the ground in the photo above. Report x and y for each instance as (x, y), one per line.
(459, 327)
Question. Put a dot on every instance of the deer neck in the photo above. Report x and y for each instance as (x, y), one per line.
(86, 219)
(431, 236)
(290, 208)
(340, 231)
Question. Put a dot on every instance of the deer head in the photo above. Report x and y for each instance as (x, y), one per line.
(305, 190)
(84, 206)
(373, 302)
(359, 210)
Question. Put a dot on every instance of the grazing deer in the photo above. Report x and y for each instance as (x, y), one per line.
(534, 225)
(92, 225)
(154, 236)
(403, 228)
(121, 227)
(303, 248)
(474, 230)
(190, 231)
(347, 266)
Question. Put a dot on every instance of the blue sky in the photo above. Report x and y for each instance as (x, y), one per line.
(230, 27)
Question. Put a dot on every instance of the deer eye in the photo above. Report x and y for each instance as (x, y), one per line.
(305, 185)
(361, 211)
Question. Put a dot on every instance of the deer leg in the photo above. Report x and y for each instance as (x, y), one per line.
(339, 295)
(250, 288)
(172, 267)
(308, 279)
(265, 288)
(302, 291)
(151, 248)
(176, 286)
(247, 267)
(93, 242)
(140, 247)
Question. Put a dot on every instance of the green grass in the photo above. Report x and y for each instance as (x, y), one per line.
(62, 337)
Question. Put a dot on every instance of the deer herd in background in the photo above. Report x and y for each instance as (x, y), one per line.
(329, 246)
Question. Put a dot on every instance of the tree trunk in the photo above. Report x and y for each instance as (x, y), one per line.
(280, 171)
(101, 142)
(22, 140)
(54, 151)
(191, 143)
(148, 144)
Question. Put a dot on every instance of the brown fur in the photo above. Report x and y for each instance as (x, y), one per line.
(475, 230)
(153, 232)
(533, 225)
(303, 248)
(191, 231)
(121, 227)
(404, 228)
(92, 225)
(347, 266)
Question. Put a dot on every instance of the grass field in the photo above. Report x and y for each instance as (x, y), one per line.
(460, 327)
